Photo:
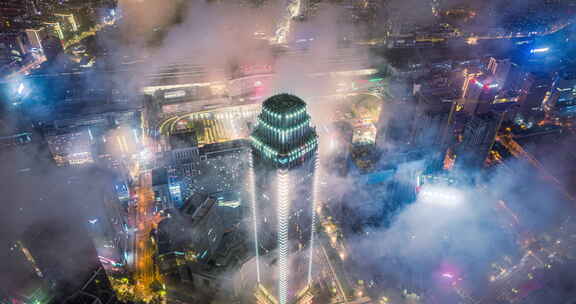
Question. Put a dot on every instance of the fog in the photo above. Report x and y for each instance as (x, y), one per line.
(431, 242)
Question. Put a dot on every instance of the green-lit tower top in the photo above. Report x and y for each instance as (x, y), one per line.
(283, 136)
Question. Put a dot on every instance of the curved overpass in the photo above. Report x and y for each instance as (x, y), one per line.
(214, 126)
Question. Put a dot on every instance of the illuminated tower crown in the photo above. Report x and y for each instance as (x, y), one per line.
(283, 180)
(283, 137)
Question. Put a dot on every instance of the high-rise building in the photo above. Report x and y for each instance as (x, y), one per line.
(35, 36)
(207, 223)
(68, 22)
(511, 78)
(478, 136)
(25, 282)
(500, 69)
(433, 117)
(304, 8)
(67, 259)
(284, 158)
(538, 86)
(562, 98)
(394, 131)
(480, 94)
(52, 47)
(184, 146)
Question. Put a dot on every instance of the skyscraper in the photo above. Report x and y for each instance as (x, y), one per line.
(284, 158)
(478, 137)
(52, 47)
(562, 98)
(480, 94)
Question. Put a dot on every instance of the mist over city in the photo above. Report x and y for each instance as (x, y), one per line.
(287, 151)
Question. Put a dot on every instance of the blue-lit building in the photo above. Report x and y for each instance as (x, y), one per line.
(537, 89)
(167, 189)
(561, 101)
(122, 190)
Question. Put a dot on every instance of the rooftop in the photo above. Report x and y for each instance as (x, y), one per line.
(284, 103)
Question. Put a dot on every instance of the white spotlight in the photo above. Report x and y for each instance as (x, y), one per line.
(441, 196)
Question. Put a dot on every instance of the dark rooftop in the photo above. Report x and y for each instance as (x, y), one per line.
(284, 103)
(159, 176)
(183, 140)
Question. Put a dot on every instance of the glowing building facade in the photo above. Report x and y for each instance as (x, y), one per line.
(284, 159)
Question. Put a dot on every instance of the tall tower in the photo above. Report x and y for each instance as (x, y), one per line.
(478, 137)
(284, 160)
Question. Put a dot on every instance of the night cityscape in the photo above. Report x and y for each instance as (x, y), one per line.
(288, 152)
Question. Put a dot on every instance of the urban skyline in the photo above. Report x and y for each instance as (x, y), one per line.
(287, 151)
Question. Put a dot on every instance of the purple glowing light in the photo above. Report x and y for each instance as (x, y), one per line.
(448, 275)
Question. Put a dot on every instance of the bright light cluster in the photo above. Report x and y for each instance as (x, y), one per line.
(441, 196)
(277, 115)
(292, 155)
(279, 130)
(283, 183)
(315, 202)
(293, 10)
(267, 150)
(252, 187)
(540, 50)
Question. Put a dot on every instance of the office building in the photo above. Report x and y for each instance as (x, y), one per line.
(167, 189)
(184, 146)
(561, 101)
(67, 259)
(72, 148)
(480, 94)
(470, 76)
(394, 131)
(538, 88)
(68, 22)
(477, 139)
(193, 233)
(200, 242)
(27, 283)
(500, 68)
(514, 83)
(35, 36)
(284, 159)
(208, 225)
(434, 113)
(52, 47)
